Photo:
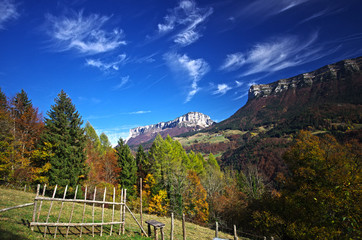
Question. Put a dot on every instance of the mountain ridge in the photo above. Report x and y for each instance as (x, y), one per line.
(191, 121)
(327, 100)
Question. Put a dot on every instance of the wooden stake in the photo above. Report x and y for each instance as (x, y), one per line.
(143, 231)
(172, 226)
(41, 203)
(71, 213)
(235, 234)
(183, 226)
(94, 198)
(124, 212)
(217, 230)
(50, 209)
(104, 199)
(141, 217)
(60, 212)
(35, 204)
(114, 200)
(85, 199)
(120, 213)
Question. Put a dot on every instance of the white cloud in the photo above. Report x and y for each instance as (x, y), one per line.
(188, 16)
(194, 68)
(85, 34)
(276, 54)
(239, 84)
(124, 81)
(233, 61)
(140, 112)
(106, 66)
(263, 9)
(222, 89)
(8, 12)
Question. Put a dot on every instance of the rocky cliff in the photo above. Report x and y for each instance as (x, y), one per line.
(191, 121)
(324, 74)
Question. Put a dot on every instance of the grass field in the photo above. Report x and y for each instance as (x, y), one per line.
(14, 223)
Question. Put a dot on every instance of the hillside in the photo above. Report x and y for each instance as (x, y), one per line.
(13, 222)
(327, 100)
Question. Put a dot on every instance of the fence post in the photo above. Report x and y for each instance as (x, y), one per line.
(71, 213)
(85, 199)
(104, 199)
(172, 226)
(41, 202)
(114, 200)
(60, 212)
(183, 226)
(217, 230)
(120, 213)
(141, 217)
(94, 198)
(235, 234)
(50, 209)
(124, 211)
(35, 204)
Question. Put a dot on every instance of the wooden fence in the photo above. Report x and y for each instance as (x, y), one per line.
(115, 220)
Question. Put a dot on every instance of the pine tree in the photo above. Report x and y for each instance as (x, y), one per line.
(142, 162)
(127, 164)
(64, 132)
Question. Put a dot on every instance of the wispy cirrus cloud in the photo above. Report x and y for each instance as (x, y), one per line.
(276, 54)
(195, 69)
(233, 61)
(188, 17)
(263, 9)
(124, 81)
(140, 112)
(106, 66)
(8, 12)
(86, 34)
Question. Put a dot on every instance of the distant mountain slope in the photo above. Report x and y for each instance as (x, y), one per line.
(328, 100)
(191, 121)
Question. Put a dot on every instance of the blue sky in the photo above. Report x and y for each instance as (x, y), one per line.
(129, 63)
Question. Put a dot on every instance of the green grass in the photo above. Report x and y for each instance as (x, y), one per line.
(14, 223)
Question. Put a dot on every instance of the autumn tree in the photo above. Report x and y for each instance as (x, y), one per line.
(26, 130)
(194, 196)
(321, 197)
(64, 132)
(6, 139)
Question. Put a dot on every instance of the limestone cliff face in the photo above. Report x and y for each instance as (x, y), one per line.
(189, 122)
(326, 73)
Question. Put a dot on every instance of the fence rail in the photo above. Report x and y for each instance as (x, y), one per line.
(38, 202)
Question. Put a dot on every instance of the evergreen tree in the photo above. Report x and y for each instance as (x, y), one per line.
(127, 164)
(142, 162)
(64, 132)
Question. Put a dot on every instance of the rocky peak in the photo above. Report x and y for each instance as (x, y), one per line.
(193, 120)
(326, 73)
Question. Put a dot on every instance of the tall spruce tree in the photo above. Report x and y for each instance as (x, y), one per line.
(63, 130)
(127, 164)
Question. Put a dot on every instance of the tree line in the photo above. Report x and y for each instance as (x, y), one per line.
(318, 198)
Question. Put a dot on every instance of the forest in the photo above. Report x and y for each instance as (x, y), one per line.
(318, 197)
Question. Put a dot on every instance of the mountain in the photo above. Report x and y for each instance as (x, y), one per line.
(327, 100)
(191, 121)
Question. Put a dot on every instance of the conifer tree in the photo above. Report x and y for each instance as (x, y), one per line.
(63, 130)
(127, 164)
(142, 162)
